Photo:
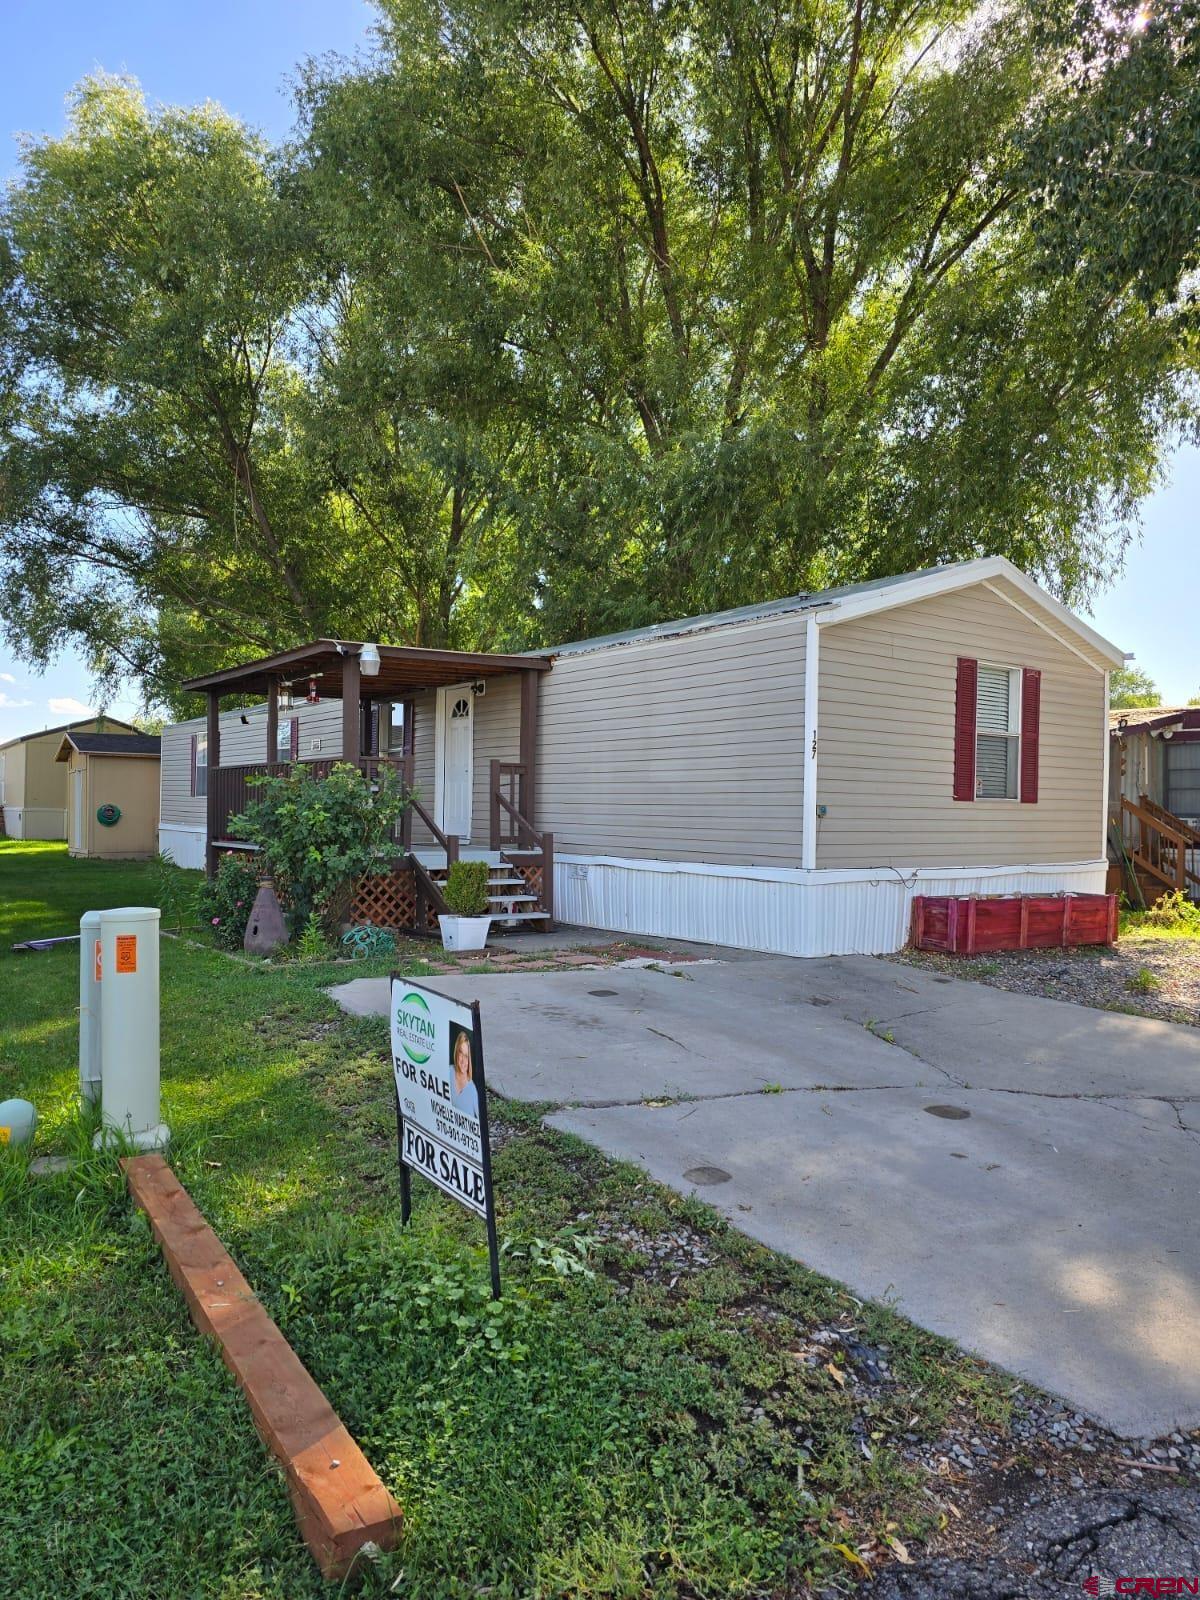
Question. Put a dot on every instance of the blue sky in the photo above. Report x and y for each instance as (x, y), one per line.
(242, 54)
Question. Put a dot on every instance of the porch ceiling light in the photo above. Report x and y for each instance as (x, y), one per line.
(368, 660)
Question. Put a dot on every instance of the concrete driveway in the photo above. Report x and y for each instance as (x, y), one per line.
(1018, 1174)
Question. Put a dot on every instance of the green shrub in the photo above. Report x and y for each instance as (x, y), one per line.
(321, 834)
(1175, 911)
(312, 944)
(224, 903)
(1143, 982)
(172, 892)
(466, 888)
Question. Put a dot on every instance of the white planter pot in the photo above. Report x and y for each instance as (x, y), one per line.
(464, 933)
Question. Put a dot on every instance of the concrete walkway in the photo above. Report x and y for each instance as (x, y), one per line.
(1020, 1175)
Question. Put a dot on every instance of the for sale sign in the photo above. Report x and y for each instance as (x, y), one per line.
(441, 1104)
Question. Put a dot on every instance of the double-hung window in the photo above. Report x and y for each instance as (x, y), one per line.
(200, 763)
(997, 732)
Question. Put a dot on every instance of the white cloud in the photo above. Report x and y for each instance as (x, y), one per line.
(7, 677)
(7, 703)
(67, 706)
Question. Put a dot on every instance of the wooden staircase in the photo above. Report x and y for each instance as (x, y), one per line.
(1156, 850)
(521, 860)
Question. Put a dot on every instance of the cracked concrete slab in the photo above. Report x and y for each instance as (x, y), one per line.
(1051, 1229)
(632, 1034)
(1053, 1237)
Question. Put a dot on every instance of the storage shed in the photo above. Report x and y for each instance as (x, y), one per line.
(112, 794)
(33, 786)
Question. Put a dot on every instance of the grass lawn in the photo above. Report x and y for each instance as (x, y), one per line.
(625, 1423)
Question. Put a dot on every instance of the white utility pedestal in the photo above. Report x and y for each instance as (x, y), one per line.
(129, 1100)
(90, 1071)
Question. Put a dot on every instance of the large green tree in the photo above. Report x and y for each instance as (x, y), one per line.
(151, 493)
(564, 317)
(760, 279)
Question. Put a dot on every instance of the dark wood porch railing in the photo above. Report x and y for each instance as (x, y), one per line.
(231, 789)
(516, 838)
(1157, 843)
(230, 792)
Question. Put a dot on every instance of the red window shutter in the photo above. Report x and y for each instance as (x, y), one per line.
(294, 741)
(964, 728)
(1031, 721)
(193, 778)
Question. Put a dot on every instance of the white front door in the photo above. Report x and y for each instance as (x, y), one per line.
(456, 716)
(77, 809)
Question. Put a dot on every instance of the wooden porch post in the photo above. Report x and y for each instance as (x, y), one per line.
(407, 775)
(213, 752)
(529, 719)
(351, 709)
(272, 719)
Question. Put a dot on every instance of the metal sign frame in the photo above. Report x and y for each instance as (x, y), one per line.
(479, 1078)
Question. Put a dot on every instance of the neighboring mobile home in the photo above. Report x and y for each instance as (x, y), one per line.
(112, 794)
(33, 786)
(780, 777)
(1154, 799)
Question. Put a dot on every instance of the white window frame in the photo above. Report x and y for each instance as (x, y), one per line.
(1016, 679)
(283, 746)
(201, 765)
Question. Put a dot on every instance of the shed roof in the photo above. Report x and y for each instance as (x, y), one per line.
(66, 727)
(142, 745)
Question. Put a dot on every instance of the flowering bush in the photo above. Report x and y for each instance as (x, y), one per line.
(225, 902)
(320, 834)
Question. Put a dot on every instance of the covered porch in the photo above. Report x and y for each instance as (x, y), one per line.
(379, 687)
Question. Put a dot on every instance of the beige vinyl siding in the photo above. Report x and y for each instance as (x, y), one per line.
(497, 738)
(424, 735)
(177, 805)
(688, 748)
(886, 741)
(242, 744)
(14, 775)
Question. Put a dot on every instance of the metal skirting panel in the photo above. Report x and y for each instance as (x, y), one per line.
(183, 846)
(781, 911)
(35, 822)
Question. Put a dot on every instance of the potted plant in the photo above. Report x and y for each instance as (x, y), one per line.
(466, 893)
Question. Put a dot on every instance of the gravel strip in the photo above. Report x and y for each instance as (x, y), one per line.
(1110, 980)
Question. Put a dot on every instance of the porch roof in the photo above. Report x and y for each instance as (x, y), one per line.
(402, 669)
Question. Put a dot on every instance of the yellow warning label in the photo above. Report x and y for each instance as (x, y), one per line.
(5, 1135)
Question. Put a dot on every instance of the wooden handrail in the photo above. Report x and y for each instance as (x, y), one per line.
(514, 772)
(1174, 824)
(523, 823)
(448, 841)
(1145, 815)
(1157, 845)
(427, 890)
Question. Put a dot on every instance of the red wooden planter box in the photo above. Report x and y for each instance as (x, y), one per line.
(966, 924)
